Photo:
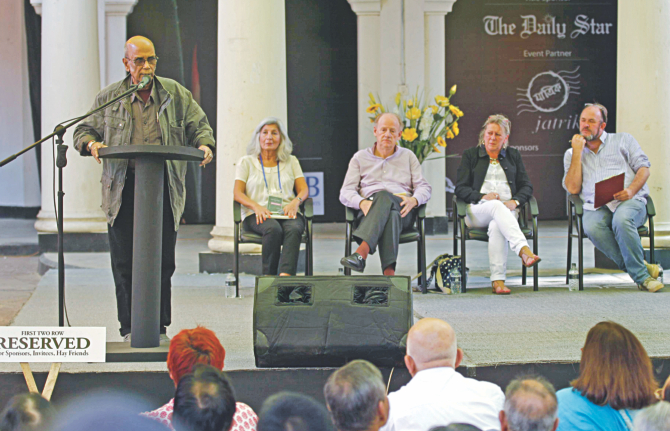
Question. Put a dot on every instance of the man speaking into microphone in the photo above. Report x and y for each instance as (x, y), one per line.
(161, 112)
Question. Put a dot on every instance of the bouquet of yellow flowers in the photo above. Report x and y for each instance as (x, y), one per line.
(425, 127)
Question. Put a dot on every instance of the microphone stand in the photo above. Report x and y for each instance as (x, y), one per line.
(61, 162)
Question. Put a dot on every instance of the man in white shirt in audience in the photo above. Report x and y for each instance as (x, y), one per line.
(437, 395)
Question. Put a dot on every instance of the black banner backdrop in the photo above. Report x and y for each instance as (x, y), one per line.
(536, 62)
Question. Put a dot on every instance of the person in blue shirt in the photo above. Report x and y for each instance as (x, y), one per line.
(615, 380)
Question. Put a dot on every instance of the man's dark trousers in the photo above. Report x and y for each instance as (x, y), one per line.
(121, 253)
(383, 225)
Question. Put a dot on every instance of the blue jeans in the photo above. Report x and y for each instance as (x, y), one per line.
(615, 234)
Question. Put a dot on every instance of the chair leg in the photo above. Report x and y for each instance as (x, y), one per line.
(580, 252)
(311, 248)
(567, 269)
(418, 263)
(456, 233)
(236, 262)
(347, 247)
(307, 253)
(523, 275)
(651, 242)
(464, 281)
(422, 264)
(536, 268)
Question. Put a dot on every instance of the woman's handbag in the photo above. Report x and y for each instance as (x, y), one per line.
(441, 270)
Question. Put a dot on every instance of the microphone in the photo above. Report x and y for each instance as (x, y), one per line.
(143, 83)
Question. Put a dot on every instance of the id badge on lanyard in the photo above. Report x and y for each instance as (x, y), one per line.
(275, 197)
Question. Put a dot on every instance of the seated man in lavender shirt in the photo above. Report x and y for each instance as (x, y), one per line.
(385, 184)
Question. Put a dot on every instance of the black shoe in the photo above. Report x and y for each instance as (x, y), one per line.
(355, 262)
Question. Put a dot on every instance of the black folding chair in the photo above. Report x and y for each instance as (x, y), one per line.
(465, 233)
(414, 233)
(241, 236)
(575, 216)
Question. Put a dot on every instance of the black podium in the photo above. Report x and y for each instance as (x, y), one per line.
(147, 232)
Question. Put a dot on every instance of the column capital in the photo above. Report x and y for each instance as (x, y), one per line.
(119, 7)
(366, 7)
(438, 7)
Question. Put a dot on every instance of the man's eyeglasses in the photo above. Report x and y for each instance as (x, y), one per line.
(139, 61)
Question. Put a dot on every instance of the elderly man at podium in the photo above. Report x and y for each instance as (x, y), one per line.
(384, 183)
(162, 113)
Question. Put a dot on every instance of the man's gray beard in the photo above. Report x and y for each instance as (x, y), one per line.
(590, 138)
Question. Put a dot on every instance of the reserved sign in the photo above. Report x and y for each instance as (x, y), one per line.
(52, 344)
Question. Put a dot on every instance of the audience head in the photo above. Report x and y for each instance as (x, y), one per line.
(530, 405)
(204, 401)
(456, 427)
(653, 418)
(356, 397)
(431, 343)
(27, 412)
(193, 346)
(288, 411)
(105, 411)
(615, 369)
(271, 125)
(504, 126)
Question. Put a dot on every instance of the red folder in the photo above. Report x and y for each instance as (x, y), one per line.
(606, 189)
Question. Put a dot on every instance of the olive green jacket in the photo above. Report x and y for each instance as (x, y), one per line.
(181, 120)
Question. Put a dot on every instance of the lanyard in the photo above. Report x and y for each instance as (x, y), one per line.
(265, 179)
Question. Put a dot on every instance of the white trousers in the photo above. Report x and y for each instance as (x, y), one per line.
(503, 228)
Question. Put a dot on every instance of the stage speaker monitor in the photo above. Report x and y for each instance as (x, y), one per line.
(329, 321)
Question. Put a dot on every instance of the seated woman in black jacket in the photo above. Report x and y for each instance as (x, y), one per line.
(494, 182)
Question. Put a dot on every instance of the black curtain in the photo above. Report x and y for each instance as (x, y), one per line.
(176, 27)
(34, 41)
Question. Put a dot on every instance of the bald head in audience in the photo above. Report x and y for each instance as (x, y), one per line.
(431, 343)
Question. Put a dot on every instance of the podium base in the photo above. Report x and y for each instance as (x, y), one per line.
(122, 352)
(84, 242)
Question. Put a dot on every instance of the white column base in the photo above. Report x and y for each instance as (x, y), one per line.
(222, 242)
(80, 222)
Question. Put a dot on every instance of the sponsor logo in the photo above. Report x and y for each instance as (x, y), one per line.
(548, 91)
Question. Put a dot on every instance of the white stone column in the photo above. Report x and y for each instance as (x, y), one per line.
(369, 62)
(390, 52)
(434, 79)
(251, 86)
(114, 39)
(70, 81)
(16, 122)
(643, 91)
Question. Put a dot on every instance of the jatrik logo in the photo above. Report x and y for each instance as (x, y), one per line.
(548, 91)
